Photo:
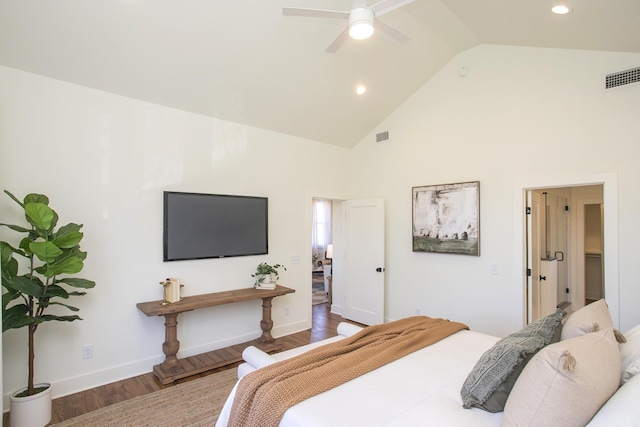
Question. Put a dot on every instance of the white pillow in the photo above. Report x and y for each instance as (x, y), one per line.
(630, 354)
(565, 383)
(590, 318)
(622, 409)
(257, 357)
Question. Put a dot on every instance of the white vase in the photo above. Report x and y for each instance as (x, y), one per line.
(266, 279)
(31, 411)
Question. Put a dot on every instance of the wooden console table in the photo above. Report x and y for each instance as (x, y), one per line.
(173, 368)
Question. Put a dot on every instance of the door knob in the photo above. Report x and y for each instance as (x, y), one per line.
(543, 277)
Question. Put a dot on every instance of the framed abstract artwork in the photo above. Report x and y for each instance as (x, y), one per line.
(446, 218)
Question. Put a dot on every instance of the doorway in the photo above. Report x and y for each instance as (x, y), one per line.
(321, 251)
(565, 250)
(548, 221)
(593, 252)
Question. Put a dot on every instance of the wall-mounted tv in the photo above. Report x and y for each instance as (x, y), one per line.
(200, 226)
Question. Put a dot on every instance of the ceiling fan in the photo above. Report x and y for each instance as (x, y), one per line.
(362, 19)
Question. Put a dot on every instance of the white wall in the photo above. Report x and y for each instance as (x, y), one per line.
(104, 161)
(520, 116)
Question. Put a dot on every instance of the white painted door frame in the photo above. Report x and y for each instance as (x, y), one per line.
(609, 182)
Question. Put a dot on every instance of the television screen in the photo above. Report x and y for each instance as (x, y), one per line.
(200, 226)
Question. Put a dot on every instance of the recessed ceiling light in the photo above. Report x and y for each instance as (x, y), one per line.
(360, 89)
(560, 9)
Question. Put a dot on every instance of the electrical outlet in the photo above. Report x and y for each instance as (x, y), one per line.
(87, 351)
(287, 311)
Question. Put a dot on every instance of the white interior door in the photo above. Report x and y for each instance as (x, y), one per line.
(364, 289)
(533, 255)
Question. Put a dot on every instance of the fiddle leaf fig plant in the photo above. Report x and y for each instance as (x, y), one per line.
(40, 282)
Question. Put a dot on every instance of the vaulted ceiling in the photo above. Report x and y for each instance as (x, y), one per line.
(243, 61)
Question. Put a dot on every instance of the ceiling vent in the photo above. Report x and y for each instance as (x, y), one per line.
(622, 78)
(382, 137)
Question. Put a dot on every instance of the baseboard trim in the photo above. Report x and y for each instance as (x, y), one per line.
(94, 379)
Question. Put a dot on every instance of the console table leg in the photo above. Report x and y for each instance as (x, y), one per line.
(171, 345)
(266, 323)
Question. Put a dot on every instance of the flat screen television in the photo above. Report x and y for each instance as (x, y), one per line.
(198, 226)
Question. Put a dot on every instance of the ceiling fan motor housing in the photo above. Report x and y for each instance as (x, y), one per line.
(361, 23)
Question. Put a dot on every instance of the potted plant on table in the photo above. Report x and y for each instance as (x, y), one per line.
(266, 274)
(30, 290)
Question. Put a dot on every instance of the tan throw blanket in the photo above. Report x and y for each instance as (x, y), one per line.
(264, 395)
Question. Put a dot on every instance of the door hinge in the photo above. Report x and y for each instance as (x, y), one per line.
(566, 290)
(528, 210)
(528, 272)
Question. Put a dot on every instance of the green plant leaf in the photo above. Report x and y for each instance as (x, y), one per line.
(36, 198)
(75, 251)
(54, 291)
(33, 287)
(39, 215)
(76, 293)
(6, 254)
(24, 246)
(9, 296)
(16, 317)
(68, 236)
(9, 269)
(48, 317)
(17, 228)
(45, 251)
(77, 282)
(70, 307)
(14, 198)
(69, 265)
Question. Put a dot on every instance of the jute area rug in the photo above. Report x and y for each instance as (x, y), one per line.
(194, 403)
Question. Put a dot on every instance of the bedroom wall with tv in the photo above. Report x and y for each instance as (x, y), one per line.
(124, 154)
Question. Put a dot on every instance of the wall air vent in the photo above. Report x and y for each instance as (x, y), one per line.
(382, 137)
(622, 78)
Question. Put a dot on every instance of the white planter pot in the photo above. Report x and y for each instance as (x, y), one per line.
(266, 279)
(31, 411)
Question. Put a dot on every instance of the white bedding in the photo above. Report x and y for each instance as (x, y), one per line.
(422, 386)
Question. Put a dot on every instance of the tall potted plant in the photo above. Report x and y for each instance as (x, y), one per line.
(31, 289)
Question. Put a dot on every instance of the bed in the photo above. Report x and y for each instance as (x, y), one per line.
(424, 387)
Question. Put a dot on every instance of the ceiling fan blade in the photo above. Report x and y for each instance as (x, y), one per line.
(386, 6)
(391, 32)
(314, 13)
(339, 41)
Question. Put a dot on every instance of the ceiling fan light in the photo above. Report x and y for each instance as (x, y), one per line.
(361, 23)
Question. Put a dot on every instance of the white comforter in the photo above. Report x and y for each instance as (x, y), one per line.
(422, 388)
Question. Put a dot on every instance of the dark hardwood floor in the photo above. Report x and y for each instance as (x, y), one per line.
(323, 326)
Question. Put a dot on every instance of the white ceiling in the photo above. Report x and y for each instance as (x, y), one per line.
(243, 61)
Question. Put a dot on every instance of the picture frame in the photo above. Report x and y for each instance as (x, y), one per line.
(446, 218)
